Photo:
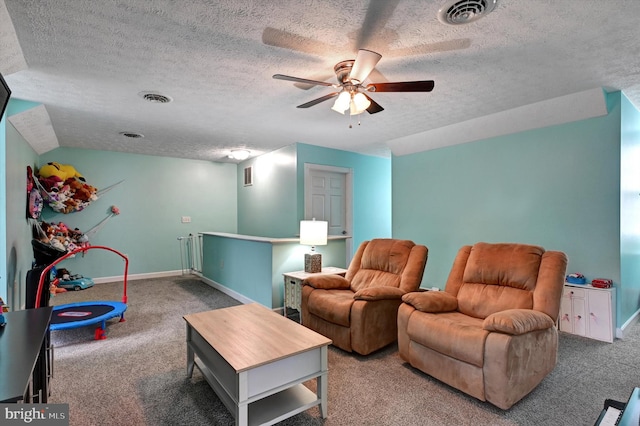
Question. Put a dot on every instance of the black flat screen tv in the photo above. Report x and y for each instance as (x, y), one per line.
(5, 93)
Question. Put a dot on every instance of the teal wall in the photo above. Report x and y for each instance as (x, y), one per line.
(558, 187)
(155, 194)
(629, 293)
(16, 154)
(243, 266)
(371, 188)
(18, 232)
(274, 205)
(253, 269)
(3, 209)
(268, 207)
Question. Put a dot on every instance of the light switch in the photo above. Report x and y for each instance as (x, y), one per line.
(186, 219)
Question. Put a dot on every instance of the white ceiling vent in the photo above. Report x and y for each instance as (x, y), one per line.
(459, 12)
(155, 98)
(132, 135)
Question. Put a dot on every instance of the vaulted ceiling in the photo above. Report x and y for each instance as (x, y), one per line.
(90, 64)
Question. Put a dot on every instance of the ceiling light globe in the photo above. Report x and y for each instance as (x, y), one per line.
(342, 103)
(361, 101)
(239, 154)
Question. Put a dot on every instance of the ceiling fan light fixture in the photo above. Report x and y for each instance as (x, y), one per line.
(342, 103)
(351, 75)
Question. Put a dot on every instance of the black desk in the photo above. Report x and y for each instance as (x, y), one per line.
(623, 414)
(23, 354)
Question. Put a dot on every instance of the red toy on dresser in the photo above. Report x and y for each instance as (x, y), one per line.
(602, 283)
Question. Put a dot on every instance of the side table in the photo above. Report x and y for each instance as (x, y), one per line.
(293, 286)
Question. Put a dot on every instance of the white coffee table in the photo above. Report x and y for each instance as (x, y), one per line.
(256, 361)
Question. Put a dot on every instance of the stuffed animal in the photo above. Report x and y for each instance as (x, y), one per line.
(63, 274)
(63, 171)
(51, 183)
(63, 230)
(48, 232)
(54, 289)
(91, 191)
(70, 205)
(57, 244)
(81, 191)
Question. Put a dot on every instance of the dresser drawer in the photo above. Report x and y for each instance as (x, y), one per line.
(574, 292)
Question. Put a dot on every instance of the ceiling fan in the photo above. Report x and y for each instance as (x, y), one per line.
(353, 93)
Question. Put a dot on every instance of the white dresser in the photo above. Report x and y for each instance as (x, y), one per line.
(588, 311)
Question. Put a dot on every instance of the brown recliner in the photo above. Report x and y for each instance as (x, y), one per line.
(359, 311)
(491, 333)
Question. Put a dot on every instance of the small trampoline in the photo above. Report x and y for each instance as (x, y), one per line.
(81, 314)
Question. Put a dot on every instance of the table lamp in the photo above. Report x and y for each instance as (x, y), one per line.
(313, 233)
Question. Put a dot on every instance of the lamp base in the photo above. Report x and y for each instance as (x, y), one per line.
(312, 263)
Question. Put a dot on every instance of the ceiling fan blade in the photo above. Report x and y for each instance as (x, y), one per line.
(376, 75)
(301, 80)
(365, 62)
(317, 101)
(404, 86)
(378, 14)
(287, 40)
(374, 107)
(319, 77)
(424, 49)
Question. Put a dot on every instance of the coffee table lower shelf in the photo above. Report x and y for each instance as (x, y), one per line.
(270, 409)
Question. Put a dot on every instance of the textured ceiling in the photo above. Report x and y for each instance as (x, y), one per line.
(87, 62)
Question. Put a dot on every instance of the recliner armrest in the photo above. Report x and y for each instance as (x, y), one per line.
(378, 293)
(431, 301)
(517, 321)
(327, 282)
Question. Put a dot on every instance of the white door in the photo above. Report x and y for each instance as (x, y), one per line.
(328, 197)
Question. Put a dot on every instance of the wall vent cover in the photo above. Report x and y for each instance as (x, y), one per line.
(248, 176)
(459, 12)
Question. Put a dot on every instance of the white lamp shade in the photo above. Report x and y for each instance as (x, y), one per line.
(313, 232)
(359, 104)
(342, 103)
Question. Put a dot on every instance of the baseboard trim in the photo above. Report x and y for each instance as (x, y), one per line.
(634, 318)
(225, 290)
(137, 276)
(232, 293)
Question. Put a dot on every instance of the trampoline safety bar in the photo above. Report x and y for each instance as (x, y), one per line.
(81, 314)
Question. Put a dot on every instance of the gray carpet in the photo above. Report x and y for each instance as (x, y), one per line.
(137, 376)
